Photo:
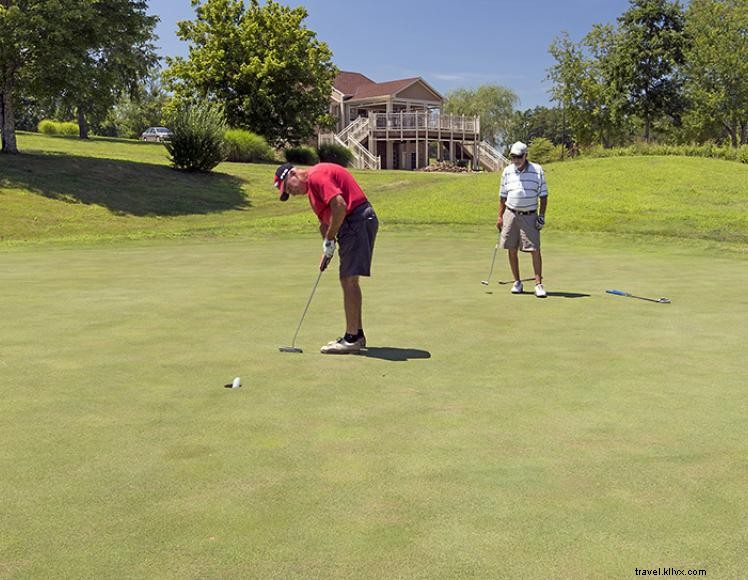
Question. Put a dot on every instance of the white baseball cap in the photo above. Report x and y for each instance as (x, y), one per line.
(518, 148)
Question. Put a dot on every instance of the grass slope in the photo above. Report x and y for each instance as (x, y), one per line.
(63, 189)
(486, 435)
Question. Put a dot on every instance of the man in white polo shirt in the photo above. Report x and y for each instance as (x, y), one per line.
(522, 188)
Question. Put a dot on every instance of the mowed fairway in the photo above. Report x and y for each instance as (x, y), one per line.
(484, 435)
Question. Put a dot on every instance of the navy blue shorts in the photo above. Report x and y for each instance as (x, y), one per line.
(356, 241)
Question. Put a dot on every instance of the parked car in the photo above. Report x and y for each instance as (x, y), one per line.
(157, 134)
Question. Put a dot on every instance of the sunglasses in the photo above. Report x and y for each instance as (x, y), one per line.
(516, 156)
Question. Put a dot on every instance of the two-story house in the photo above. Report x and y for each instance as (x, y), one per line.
(399, 125)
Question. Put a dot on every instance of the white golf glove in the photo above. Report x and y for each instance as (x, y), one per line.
(540, 221)
(328, 248)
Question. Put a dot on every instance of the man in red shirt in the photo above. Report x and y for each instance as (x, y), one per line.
(345, 215)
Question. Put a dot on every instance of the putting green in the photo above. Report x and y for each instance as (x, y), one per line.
(485, 435)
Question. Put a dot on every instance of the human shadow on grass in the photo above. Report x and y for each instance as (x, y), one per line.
(567, 295)
(556, 294)
(124, 187)
(395, 354)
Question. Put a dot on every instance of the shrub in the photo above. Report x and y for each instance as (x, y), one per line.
(50, 127)
(247, 147)
(708, 149)
(541, 150)
(335, 153)
(301, 155)
(70, 129)
(47, 127)
(198, 142)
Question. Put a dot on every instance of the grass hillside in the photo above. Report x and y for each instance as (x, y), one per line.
(64, 189)
(482, 434)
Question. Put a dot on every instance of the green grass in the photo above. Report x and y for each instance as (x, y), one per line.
(488, 435)
(485, 435)
(63, 189)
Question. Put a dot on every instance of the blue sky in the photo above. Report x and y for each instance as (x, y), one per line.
(450, 43)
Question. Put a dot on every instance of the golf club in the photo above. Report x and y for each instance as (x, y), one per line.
(293, 348)
(622, 293)
(493, 260)
(512, 281)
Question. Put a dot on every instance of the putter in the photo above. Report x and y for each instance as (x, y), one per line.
(622, 293)
(512, 281)
(293, 348)
(493, 260)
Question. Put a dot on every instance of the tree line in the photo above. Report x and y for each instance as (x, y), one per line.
(96, 60)
(662, 72)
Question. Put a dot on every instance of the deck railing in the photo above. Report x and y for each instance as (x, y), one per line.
(422, 120)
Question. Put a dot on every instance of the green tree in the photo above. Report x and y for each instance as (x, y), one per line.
(264, 67)
(61, 52)
(717, 66)
(492, 103)
(539, 122)
(582, 87)
(119, 52)
(646, 60)
(137, 110)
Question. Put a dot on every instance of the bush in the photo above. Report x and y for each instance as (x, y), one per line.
(541, 150)
(50, 127)
(708, 149)
(335, 153)
(198, 142)
(247, 147)
(301, 155)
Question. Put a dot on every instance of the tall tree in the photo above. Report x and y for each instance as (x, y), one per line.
(36, 37)
(582, 87)
(647, 58)
(717, 65)
(137, 111)
(492, 103)
(260, 63)
(44, 43)
(119, 52)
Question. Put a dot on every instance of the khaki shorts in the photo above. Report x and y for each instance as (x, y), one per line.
(519, 232)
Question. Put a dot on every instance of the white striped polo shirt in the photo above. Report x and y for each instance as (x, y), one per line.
(521, 189)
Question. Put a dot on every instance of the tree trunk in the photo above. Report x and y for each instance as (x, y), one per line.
(647, 125)
(82, 125)
(9, 144)
(744, 132)
(732, 131)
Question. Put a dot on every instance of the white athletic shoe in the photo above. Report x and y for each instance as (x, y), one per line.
(517, 287)
(540, 291)
(342, 346)
(361, 341)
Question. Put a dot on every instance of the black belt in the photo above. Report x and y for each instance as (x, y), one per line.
(516, 211)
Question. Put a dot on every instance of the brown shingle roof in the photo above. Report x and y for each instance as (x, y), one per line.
(348, 82)
(357, 86)
(382, 89)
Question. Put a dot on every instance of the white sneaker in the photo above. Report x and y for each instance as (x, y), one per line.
(517, 287)
(342, 346)
(540, 291)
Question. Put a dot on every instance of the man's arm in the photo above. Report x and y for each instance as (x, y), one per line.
(500, 217)
(543, 204)
(338, 208)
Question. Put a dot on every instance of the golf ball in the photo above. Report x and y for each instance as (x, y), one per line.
(237, 383)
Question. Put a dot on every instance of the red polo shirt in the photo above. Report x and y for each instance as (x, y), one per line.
(326, 180)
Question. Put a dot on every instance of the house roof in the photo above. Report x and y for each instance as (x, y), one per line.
(383, 89)
(356, 86)
(348, 82)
